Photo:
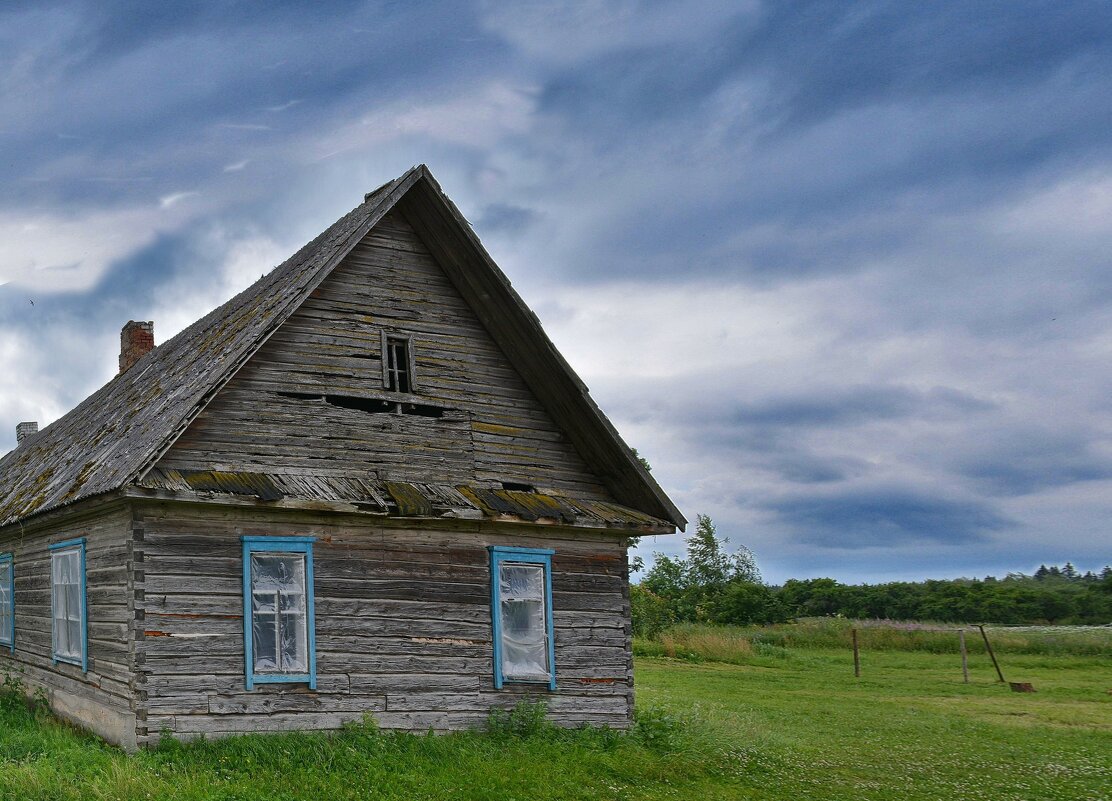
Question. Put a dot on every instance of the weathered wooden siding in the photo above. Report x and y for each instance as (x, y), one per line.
(492, 427)
(101, 699)
(403, 623)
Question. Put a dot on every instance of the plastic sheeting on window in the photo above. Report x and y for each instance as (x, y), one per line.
(66, 598)
(6, 590)
(279, 626)
(524, 629)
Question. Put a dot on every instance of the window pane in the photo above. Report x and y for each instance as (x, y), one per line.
(263, 637)
(522, 581)
(284, 572)
(61, 638)
(524, 640)
(279, 626)
(73, 602)
(73, 630)
(294, 646)
(264, 603)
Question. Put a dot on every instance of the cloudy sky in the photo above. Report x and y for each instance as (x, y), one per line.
(840, 271)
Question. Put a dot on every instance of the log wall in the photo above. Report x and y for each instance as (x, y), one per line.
(101, 699)
(290, 407)
(403, 625)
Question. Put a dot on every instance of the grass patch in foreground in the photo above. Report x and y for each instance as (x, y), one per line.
(521, 757)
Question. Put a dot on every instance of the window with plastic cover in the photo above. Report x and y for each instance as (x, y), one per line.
(522, 595)
(278, 615)
(278, 610)
(7, 601)
(67, 593)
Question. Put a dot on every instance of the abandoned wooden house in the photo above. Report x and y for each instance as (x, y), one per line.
(367, 484)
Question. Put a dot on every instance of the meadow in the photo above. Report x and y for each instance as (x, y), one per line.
(780, 717)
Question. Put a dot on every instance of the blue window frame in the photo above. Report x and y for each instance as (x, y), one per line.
(69, 604)
(278, 616)
(7, 601)
(521, 610)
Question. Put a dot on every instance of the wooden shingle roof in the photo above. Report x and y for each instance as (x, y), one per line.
(114, 437)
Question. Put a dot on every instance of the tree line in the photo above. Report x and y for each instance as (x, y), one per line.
(714, 584)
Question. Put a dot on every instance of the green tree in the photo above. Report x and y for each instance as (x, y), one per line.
(697, 588)
(743, 603)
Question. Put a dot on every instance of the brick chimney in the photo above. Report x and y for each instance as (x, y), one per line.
(136, 341)
(24, 430)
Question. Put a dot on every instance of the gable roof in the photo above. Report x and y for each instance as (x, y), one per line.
(114, 437)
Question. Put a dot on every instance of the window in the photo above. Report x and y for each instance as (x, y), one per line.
(278, 635)
(68, 604)
(397, 363)
(521, 606)
(7, 601)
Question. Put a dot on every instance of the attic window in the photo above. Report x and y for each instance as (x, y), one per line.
(397, 363)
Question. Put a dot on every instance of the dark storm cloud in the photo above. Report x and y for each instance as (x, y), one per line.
(133, 99)
(787, 434)
(852, 125)
(846, 406)
(886, 518)
(1022, 461)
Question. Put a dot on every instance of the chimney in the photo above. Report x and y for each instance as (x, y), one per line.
(25, 430)
(136, 341)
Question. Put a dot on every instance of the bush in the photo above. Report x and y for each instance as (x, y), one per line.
(651, 614)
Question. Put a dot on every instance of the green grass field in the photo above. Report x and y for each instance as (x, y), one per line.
(789, 724)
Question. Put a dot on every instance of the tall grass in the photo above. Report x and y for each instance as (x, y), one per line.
(744, 644)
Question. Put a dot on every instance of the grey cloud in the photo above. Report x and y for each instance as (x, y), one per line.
(505, 218)
(885, 518)
(1025, 460)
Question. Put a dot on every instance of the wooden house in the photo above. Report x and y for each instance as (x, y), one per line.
(367, 484)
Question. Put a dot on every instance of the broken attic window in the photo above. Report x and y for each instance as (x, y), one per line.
(369, 405)
(517, 486)
(397, 364)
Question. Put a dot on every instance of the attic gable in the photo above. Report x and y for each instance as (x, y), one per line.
(117, 435)
(316, 398)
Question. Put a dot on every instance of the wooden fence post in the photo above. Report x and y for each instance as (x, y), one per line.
(988, 647)
(964, 657)
(856, 657)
